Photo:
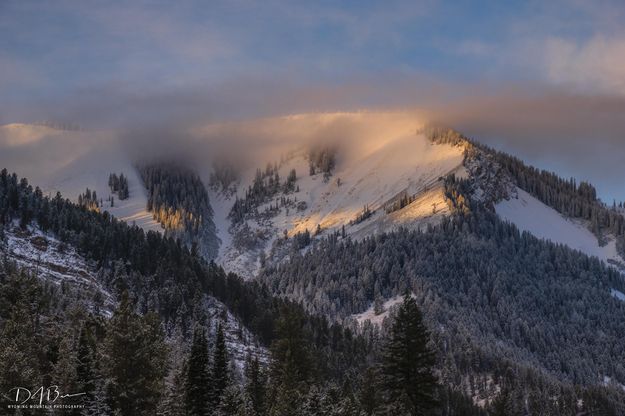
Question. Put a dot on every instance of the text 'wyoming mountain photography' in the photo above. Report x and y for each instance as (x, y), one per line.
(312, 208)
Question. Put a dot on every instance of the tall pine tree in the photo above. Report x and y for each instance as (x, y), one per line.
(220, 373)
(198, 382)
(136, 361)
(291, 364)
(85, 372)
(369, 396)
(175, 402)
(255, 384)
(407, 362)
(20, 334)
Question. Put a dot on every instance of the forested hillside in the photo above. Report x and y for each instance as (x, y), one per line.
(138, 362)
(571, 199)
(160, 273)
(179, 201)
(492, 294)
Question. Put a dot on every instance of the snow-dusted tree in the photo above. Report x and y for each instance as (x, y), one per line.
(503, 404)
(255, 385)
(246, 408)
(231, 401)
(291, 368)
(220, 374)
(378, 306)
(99, 404)
(407, 362)
(198, 381)
(135, 361)
(175, 402)
(19, 331)
(369, 395)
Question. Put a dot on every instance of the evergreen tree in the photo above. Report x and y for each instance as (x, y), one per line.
(20, 343)
(454, 403)
(179, 201)
(314, 402)
(346, 401)
(255, 384)
(220, 373)
(231, 401)
(64, 373)
(198, 382)
(246, 408)
(176, 401)
(407, 362)
(291, 356)
(369, 396)
(85, 364)
(503, 404)
(594, 404)
(135, 361)
(378, 305)
(98, 404)
(291, 367)
(89, 369)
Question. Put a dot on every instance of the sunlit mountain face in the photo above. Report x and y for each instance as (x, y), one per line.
(296, 208)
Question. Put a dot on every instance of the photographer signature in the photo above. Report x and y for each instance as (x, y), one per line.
(50, 394)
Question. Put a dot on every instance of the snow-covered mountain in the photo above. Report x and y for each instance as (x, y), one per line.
(318, 185)
(385, 173)
(379, 159)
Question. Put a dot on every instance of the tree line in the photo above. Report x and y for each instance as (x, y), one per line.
(119, 185)
(322, 159)
(265, 186)
(125, 365)
(179, 201)
(567, 196)
(89, 200)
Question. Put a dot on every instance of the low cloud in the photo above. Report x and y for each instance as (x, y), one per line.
(575, 133)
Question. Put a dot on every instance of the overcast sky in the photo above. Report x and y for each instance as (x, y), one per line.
(542, 79)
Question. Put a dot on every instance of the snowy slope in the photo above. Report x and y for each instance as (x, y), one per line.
(407, 163)
(70, 161)
(239, 340)
(49, 259)
(529, 214)
(380, 156)
(57, 263)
